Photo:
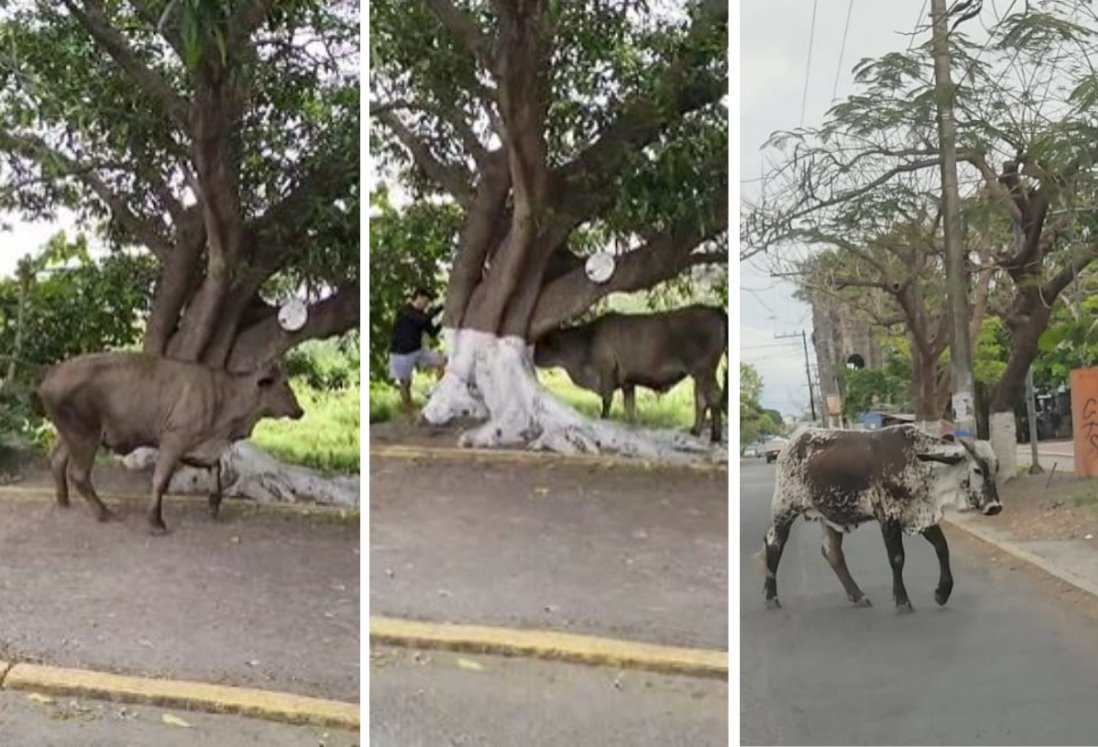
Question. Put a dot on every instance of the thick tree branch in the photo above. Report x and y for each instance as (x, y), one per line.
(93, 18)
(662, 258)
(265, 340)
(248, 17)
(453, 179)
(465, 30)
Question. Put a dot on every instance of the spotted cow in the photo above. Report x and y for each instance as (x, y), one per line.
(901, 477)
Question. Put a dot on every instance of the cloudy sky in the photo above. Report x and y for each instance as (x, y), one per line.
(774, 39)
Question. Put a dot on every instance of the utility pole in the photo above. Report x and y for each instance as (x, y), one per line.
(956, 287)
(807, 367)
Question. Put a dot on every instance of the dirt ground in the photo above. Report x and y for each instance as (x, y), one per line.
(263, 597)
(1036, 507)
(631, 553)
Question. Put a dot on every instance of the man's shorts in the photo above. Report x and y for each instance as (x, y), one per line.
(401, 365)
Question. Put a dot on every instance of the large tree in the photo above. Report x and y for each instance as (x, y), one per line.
(557, 128)
(888, 268)
(1024, 103)
(220, 136)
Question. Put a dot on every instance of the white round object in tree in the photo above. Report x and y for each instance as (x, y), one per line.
(292, 315)
(600, 267)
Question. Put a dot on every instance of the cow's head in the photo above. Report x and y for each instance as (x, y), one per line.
(981, 468)
(276, 398)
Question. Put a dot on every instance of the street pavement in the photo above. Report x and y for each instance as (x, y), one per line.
(27, 719)
(1003, 663)
(260, 598)
(640, 555)
(435, 698)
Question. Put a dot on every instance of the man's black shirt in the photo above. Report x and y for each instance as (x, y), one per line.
(409, 327)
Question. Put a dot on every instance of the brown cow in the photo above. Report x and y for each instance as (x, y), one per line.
(656, 351)
(123, 401)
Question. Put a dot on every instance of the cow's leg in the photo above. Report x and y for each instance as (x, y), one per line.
(215, 494)
(833, 552)
(776, 536)
(607, 401)
(59, 465)
(629, 397)
(945, 581)
(81, 453)
(894, 544)
(712, 394)
(166, 460)
(699, 408)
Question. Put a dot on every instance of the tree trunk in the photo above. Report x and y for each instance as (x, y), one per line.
(1027, 323)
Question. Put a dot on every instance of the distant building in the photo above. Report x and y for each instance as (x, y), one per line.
(840, 341)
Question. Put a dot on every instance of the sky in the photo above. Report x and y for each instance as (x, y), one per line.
(774, 42)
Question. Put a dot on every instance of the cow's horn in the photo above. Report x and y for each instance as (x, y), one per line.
(968, 447)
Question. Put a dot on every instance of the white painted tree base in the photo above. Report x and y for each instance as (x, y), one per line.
(249, 472)
(493, 379)
(1004, 442)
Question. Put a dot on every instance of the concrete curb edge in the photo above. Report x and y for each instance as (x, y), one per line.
(1021, 553)
(536, 457)
(549, 645)
(46, 495)
(193, 696)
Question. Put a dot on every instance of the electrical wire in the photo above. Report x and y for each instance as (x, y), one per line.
(808, 62)
(842, 50)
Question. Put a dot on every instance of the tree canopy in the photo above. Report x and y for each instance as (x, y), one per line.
(557, 129)
(219, 136)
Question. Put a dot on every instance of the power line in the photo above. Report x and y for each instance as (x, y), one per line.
(808, 63)
(842, 50)
(914, 33)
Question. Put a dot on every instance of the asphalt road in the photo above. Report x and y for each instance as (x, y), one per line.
(435, 698)
(1003, 663)
(27, 719)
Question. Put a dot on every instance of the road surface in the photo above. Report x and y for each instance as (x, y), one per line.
(1004, 663)
(435, 698)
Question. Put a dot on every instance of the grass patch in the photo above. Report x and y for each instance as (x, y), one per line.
(1085, 500)
(327, 438)
(675, 409)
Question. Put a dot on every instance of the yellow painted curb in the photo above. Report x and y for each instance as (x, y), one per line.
(1079, 582)
(544, 644)
(533, 457)
(196, 696)
(34, 495)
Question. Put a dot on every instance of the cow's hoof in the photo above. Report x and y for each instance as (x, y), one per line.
(773, 604)
(863, 602)
(904, 607)
(941, 597)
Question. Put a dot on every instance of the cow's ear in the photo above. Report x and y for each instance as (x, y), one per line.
(943, 456)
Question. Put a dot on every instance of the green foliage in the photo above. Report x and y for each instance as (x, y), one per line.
(327, 438)
(326, 365)
(863, 385)
(755, 422)
(69, 109)
(991, 352)
(63, 303)
(1071, 340)
(612, 67)
(408, 248)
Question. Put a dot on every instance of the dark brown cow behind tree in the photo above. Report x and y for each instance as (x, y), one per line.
(123, 401)
(655, 351)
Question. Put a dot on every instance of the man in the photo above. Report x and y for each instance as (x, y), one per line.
(406, 351)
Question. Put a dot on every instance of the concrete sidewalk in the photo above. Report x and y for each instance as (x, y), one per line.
(1072, 561)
